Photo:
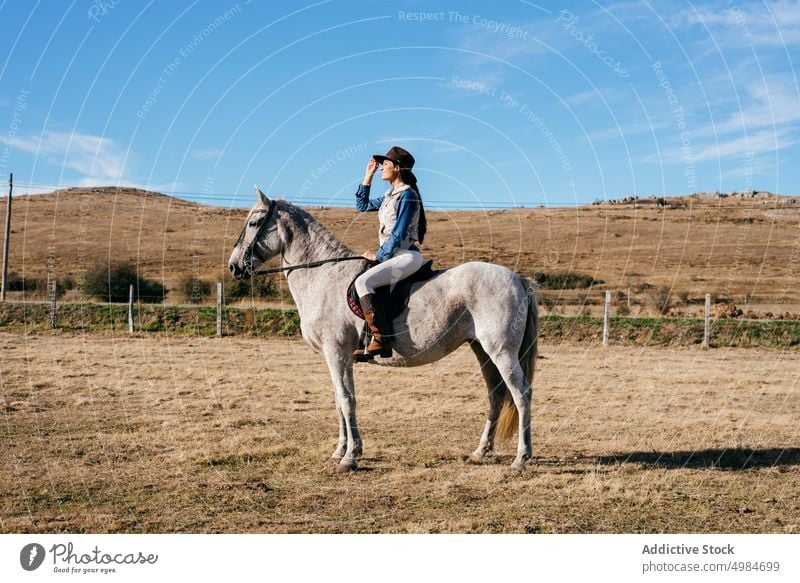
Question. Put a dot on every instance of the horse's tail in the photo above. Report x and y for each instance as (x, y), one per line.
(509, 419)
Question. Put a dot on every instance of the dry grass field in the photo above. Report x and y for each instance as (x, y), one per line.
(110, 433)
(745, 249)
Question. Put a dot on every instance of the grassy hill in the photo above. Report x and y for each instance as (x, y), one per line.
(744, 248)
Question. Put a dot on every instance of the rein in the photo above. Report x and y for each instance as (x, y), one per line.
(252, 248)
(290, 268)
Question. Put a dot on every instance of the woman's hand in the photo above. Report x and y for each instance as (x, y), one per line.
(372, 168)
(370, 255)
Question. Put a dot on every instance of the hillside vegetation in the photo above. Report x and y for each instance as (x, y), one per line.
(743, 249)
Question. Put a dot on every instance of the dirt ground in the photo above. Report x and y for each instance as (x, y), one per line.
(167, 434)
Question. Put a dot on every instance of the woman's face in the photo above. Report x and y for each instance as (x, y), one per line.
(389, 170)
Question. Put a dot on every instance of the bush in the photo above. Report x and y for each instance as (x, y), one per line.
(662, 299)
(259, 287)
(549, 301)
(194, 290)
(17, 283)
(35, 285)
(564, 280)
(111, 283)
(68, 283)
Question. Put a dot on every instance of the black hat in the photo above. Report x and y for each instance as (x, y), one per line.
(399, 156)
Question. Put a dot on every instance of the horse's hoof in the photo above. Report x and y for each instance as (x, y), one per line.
(345, 467)
(476, 458)
(519, 465)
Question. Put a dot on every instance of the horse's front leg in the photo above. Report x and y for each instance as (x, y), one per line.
(341, 447)
(340, 364)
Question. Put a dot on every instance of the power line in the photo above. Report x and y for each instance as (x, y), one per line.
(642, 203)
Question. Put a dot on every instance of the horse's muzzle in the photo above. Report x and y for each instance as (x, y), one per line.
(237, 271)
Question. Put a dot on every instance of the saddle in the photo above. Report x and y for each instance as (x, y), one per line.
(395, 300)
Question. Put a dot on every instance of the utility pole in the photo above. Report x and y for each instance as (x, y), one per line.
(4, 282)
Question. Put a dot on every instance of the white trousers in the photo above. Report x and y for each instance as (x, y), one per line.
(404, 263)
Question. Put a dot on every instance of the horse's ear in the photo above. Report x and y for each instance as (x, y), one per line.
(261, 196)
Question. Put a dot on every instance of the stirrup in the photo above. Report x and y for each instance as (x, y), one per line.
(363, 356)
(385, 352)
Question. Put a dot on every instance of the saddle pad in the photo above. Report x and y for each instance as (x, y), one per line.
(395, 301)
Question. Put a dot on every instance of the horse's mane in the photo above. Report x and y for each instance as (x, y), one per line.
(305, 225)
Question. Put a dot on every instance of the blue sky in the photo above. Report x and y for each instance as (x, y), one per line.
(504, 103)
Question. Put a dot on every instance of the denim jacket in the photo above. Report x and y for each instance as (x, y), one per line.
(399, 218)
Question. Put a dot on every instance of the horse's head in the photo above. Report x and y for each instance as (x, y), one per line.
(259, 240)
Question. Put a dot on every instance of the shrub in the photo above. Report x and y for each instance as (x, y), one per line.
(564, 280)
(549, 301)
(17, 283)
(662, 299)
(35, 285)
(585, 299)
(68, 282)
(256, 287)
(111, 283)
(194, 290)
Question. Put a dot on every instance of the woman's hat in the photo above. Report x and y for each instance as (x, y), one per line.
(399, 156)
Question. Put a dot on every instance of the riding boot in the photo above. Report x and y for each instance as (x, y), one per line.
(376, 323)
(378, 327)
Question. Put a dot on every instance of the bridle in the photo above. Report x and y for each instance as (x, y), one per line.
(252, 249)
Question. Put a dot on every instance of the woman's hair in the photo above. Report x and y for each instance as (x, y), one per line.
(407, 176)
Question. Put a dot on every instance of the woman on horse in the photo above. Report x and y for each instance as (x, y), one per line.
(402, 225)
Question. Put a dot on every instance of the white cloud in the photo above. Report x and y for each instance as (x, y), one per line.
(99, 160)
(773, 103)
(626, 131)
(207, 154)
(760, 142)
(775, 23)
(598, 95)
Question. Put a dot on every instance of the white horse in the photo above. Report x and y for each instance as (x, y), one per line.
(486, 305)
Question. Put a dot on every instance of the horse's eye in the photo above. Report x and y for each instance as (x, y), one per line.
(253, 223)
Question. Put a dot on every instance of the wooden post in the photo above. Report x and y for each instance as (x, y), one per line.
(219, 308)
(606, 313)
(130, 310)
(707, 326)
(629, 279)
(6, 240)
(53, 291)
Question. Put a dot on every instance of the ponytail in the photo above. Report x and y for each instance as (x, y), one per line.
(407, 176)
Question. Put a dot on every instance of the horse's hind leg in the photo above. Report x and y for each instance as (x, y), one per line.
(509, 367)
(497, 390)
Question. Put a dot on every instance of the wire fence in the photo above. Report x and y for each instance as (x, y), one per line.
(141, 319)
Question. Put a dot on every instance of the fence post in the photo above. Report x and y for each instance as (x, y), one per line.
(53, 291)
(6, 240)
(219, 308)
(707, 325)
(606, 313)
(130, 310)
